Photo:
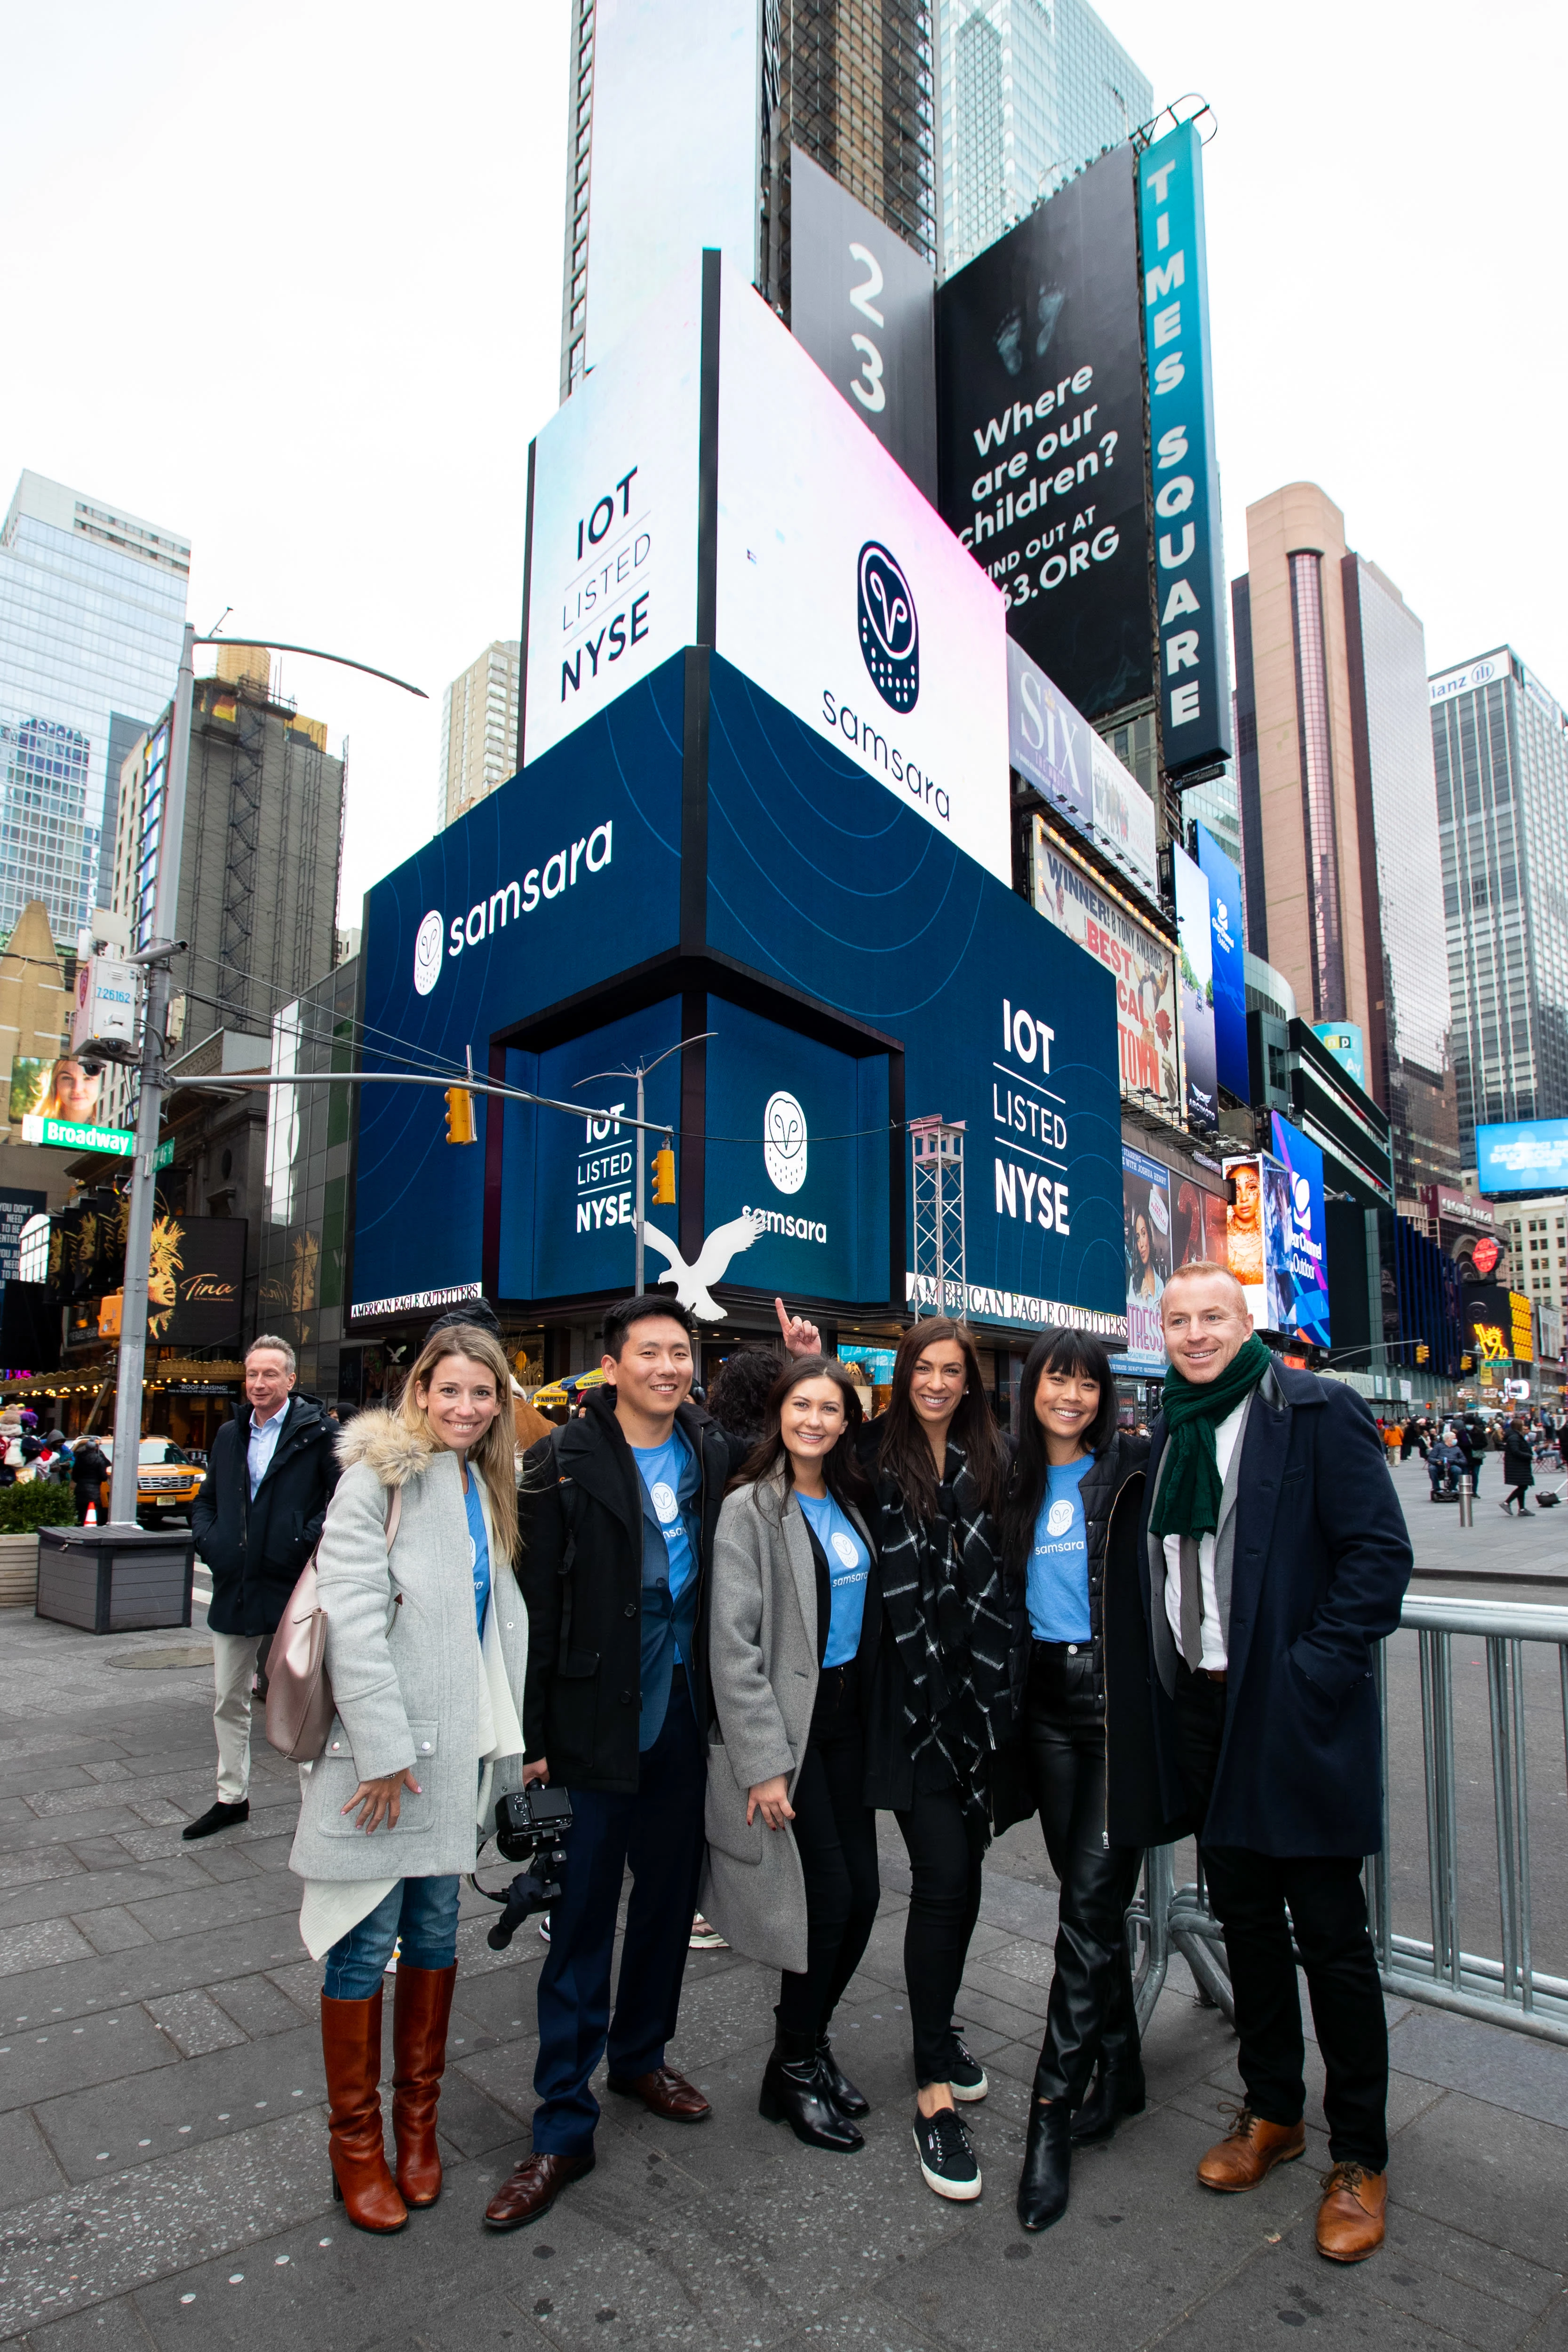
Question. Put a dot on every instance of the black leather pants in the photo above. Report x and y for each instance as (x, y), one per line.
(1091, 1992)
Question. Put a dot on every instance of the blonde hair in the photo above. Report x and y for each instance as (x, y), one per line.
(494, 1455)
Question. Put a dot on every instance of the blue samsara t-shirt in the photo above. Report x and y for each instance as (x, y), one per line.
(662, 1469)
(1059, 1564)
(848, 1564)
(479, 1545)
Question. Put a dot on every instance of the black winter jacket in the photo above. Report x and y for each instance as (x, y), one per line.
(256, 1549)
(1321, 1560)
(580, 1574)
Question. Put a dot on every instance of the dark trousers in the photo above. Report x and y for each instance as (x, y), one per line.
(835, 1837)
(1327, 1911)
(1091, 1991)
(657, 1834)
(945, 1851)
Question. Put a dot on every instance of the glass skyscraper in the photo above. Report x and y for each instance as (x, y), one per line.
(1031, 91)
(1500, 742)
(92, 605)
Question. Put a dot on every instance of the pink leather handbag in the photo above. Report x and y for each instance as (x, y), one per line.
(300, 1706)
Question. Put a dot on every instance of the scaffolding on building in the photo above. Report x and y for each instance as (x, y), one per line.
(936, 1150)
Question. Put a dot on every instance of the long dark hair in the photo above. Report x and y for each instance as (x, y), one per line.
(1057, 1350)
(845, 1480)
(903, 1451)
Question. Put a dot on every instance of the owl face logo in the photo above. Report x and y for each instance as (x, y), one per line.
(1058, 1518)
(783, 1142)
(889, 629)
(427, 953)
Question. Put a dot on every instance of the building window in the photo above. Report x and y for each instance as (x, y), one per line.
(1318, 785)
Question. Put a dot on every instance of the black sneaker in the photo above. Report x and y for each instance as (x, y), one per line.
(947, 2160)
(967, 2076)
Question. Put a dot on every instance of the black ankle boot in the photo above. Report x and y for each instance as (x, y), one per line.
(1118, 2090)
(840, 2089)
(1048, 2162)
(796, 2091)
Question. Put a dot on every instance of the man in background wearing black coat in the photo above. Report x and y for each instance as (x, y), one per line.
(1273, 1554)
(270, 1475)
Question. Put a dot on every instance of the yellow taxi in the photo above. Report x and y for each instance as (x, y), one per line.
(167, 1481)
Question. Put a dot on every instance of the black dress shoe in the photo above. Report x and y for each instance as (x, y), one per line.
(1048, 2162)
(1118, 2090)
(217, 1817)
(794, 2091)
(840, 2089)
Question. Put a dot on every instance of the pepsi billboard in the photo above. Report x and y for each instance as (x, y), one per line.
(1304, 1291)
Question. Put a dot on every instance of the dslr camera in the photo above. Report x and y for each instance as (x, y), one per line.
(531, 1825)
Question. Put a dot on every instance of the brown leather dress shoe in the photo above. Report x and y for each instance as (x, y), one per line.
(532, 2190)
(1350, 2217)
(1250, 2150)
(665, 2093)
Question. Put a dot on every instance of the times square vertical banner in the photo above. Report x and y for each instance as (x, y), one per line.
(1195, 696)
(1040, 434)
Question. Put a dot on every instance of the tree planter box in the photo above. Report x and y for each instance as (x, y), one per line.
(114, 1580)
(19, 1571)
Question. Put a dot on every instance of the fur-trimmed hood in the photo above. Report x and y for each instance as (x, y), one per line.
(385, 1444)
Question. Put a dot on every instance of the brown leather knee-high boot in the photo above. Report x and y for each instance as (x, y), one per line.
(421, 2005)
(351, 2045)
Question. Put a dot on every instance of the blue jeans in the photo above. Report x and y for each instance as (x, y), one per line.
(423, 1911)
(657, 1834)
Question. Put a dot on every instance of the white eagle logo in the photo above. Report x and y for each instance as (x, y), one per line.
(720, 1246)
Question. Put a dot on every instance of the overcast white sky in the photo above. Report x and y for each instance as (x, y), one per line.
(289, 281)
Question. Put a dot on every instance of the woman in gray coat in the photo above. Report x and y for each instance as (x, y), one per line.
(427, 1649)
(791, 1846)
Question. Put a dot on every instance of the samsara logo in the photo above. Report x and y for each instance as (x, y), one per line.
(784, 1142)
(890, 628)
(560, 873)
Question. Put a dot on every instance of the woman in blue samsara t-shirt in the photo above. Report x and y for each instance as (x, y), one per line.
(1075, 1473)
(791, 1846)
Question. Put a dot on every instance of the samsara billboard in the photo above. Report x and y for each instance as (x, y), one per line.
(1040, 419)
(857, 970)
(1143, 965)
(1522, 1156)
(815, 567)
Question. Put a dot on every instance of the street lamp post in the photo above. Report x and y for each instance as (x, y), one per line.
(155, 957)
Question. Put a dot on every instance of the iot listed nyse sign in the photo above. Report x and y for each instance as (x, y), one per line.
(610, 571)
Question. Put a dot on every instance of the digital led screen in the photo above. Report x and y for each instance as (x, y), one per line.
(847, 598)
(611, 566)
(1228, 952)
(1305, 1234)
(676, 97)
(1146, 1231)
(1522, 1156)
(1040, 424)
(1142, 964)
(1197, 992)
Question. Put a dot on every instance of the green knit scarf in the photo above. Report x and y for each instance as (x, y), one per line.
(1189, 1486)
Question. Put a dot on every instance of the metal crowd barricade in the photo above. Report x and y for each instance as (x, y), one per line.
(1507, 1990)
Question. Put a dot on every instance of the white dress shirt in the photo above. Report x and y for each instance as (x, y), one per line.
(1214, 1658)
(264, 1436)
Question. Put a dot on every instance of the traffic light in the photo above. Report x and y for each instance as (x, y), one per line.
(459, 1116)
(664, 1177)
(1423, 1353)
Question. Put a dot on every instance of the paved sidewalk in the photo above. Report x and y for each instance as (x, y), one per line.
(162, 2143)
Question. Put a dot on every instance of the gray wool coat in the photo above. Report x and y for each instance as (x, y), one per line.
(401, 1657)
(763, 1649)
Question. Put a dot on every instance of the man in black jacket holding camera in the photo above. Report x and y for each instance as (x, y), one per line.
(619, 1512)
(256, 1521)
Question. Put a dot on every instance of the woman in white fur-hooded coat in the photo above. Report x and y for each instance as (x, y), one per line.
(427, 1649)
